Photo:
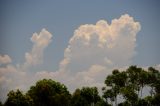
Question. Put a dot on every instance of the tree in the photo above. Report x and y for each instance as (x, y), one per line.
(142, 80)
(90, 94)
(155, 85)
(133, 74)
(115, 81)
(109, 94)
(49, 93)
(85, 97)
(129, 84)
(101, 102)
(16, 98)
(153, 80)
(129, 94)
(77, 99)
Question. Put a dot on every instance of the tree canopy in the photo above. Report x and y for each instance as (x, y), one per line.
(128, 85)
(49, 93)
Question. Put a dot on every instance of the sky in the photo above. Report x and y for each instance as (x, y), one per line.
(74, 41)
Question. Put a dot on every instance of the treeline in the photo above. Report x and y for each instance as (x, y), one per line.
(123, 88)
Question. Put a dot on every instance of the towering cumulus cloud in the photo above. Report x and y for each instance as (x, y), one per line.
(102, 44)
(93, 51)
(40, 41)
(12, 77)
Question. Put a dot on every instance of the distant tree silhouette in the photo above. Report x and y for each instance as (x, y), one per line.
(16, 98)
(49, 93)
(87, 96)
(128, 84)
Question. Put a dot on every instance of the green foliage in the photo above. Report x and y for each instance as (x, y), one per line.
(129, 94)
(85, 96)
(109, 94)
(130, 84)
(101, 103)
(115, 81)
(16, 98)
(48, 93)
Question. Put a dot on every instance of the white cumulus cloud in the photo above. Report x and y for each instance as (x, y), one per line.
(102, 44)
(12, 77)
(92, 52)
(40, 42)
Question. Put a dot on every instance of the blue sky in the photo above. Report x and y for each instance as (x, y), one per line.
(19, 19)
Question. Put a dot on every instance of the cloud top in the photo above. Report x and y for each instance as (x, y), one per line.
(40, 42)
(14, 77)
(102, 43)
